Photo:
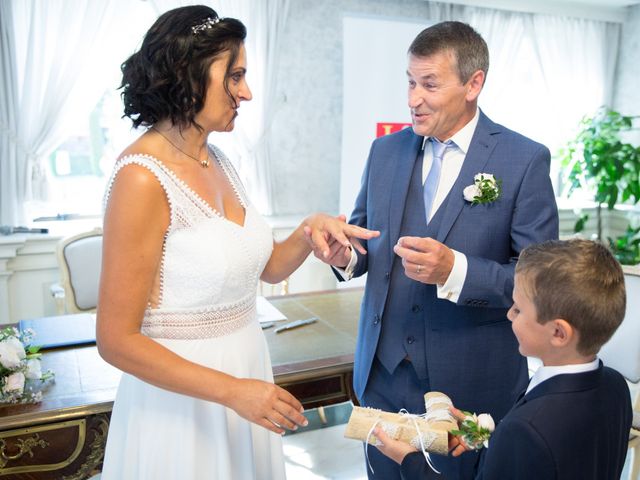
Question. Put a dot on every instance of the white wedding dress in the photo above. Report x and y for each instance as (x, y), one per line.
(204, 311)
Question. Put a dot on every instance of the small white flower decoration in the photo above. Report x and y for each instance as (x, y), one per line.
(471, 192)
(485, 189)
(14, 384)
(11, 353)
(486, 421)
(34, 369)
(475, 430)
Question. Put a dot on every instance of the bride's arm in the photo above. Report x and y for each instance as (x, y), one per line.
(136, 220)
(330, 237)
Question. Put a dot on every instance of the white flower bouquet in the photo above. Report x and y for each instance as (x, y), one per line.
(21, 376)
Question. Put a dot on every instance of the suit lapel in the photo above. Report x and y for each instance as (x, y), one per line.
(480, 149)
(565, 383)
(561, 384)
(402, 166)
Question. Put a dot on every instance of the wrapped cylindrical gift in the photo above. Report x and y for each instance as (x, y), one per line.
(438, 415)
(416, 430)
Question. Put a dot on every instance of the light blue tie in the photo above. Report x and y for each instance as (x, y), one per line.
(433, 177)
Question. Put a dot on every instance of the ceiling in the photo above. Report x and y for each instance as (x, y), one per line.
(606, 10)
(603, 3)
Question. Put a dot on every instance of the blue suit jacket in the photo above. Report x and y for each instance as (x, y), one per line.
(471, 352)
(570, 427)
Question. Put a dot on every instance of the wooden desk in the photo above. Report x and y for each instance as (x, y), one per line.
(63, 437)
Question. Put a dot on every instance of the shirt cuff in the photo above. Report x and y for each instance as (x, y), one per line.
(347, 272)
(453, 286)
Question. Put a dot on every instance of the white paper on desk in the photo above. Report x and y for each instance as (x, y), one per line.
(267, 312)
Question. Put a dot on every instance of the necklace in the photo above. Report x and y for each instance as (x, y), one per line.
(203, 163)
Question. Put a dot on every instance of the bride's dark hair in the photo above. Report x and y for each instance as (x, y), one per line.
(167, 77)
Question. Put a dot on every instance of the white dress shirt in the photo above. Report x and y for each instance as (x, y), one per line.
(451, 165)
(545, 373)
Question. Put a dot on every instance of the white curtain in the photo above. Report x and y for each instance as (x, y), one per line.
(52, 56)
(546, 72)
(248, 145)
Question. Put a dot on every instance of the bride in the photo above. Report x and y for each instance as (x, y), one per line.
(183, 251)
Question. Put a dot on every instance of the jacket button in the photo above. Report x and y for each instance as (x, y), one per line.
(415, 308)
(376, 319)
(387, 275)
(410, 340)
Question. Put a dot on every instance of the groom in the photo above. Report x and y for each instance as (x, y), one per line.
(440, 276)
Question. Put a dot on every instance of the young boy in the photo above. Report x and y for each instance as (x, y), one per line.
(573, 420)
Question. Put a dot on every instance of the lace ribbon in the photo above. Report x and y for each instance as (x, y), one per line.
(390, 430)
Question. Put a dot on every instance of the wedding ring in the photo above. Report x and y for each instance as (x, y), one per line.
(419, 269)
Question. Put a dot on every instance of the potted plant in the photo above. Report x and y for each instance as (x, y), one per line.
(599, 162)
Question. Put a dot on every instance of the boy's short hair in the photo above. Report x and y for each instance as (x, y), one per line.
(579, 281)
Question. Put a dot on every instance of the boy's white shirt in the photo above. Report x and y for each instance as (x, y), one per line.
(545, 373)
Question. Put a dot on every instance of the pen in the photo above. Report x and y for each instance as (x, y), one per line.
(295, 324)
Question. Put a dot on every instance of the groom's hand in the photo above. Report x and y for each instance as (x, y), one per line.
(425, 259)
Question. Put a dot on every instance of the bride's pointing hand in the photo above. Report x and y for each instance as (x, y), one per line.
(267, 405)
(320, 229)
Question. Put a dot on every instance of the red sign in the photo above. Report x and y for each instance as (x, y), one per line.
(385, 128)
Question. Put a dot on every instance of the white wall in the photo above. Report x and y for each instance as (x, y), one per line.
(374, 89)
(627, 95)
(28, 267)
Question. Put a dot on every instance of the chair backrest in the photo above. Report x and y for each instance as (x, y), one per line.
(622, 352)
(80, 261)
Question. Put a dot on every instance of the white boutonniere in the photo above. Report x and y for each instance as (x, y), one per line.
(475, 430)
(485, 189)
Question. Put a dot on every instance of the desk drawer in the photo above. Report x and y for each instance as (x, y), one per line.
(326, 390)
(70, 450)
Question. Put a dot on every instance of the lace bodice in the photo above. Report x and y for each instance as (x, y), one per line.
(210, 265)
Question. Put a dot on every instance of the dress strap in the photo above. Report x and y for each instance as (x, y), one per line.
(232, 175)
(185, 210)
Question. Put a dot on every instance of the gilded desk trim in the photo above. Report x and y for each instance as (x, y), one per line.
(51, 416)
(82, 431)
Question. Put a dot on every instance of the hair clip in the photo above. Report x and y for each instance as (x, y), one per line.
(208, 23)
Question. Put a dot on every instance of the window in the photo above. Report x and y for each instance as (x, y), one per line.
(78, 170)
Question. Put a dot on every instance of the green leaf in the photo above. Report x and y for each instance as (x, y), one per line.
(580, 223)
(626, 247)
(600, 161)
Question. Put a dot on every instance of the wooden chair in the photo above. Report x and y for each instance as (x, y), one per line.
(622, 352)
(79, 260)
(271, 290)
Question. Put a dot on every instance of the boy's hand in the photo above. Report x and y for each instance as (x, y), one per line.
(457, 446)
(394, 449)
